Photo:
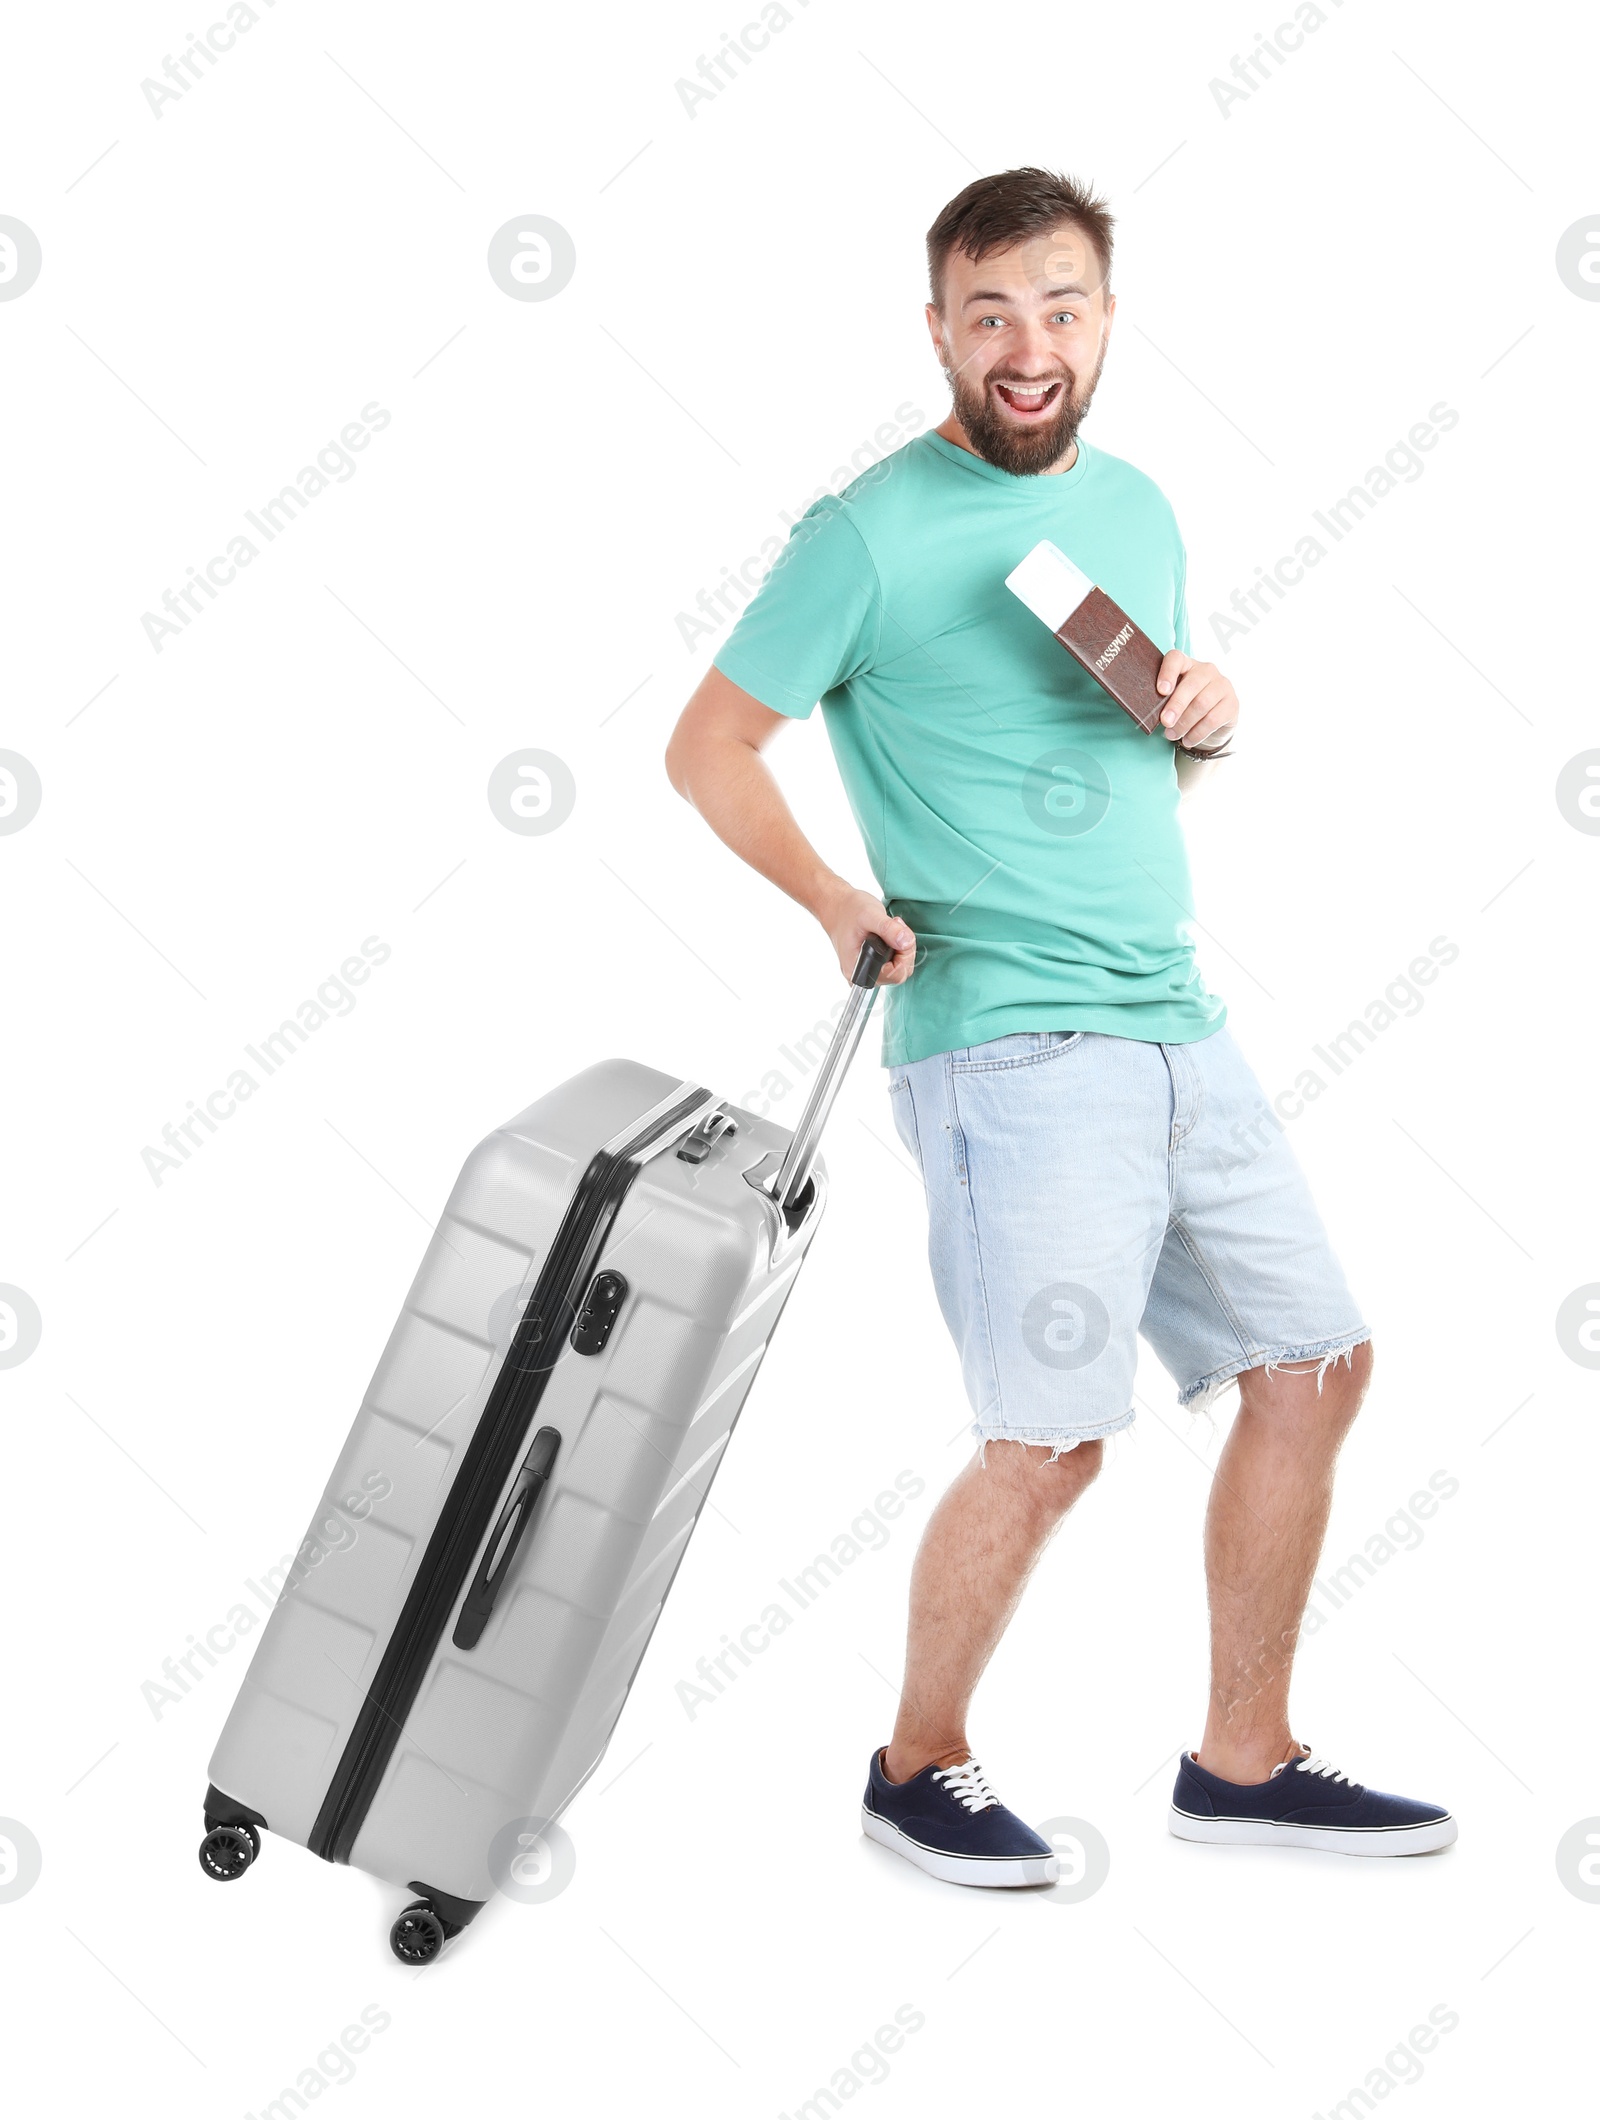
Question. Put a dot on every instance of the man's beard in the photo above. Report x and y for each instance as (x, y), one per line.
(1005, 442)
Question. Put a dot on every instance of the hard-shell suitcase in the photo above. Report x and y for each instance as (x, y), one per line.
(459, 1630)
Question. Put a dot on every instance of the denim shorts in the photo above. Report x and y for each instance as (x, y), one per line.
(1085, 1189)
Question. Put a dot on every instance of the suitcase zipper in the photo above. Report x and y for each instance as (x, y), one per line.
(487, 1463)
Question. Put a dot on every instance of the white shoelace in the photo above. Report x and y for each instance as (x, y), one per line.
(967, 1784)
(1316, 1764)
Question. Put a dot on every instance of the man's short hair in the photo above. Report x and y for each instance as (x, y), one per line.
(993, 213)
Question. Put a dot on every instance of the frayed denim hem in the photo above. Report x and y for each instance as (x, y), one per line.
(1201, 1396)
(1043, 1439)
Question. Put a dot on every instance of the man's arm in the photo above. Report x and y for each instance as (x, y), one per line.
(1193, 773)
(714, 761)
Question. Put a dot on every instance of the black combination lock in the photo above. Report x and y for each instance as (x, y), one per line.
(598, 1313)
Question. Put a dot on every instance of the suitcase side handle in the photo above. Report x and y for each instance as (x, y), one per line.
(802, 1152)
(504, 1540)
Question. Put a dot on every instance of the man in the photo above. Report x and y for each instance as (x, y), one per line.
(1057, 1068)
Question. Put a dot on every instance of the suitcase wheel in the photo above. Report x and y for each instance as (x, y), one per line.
(417, 1937)
(228, 1851)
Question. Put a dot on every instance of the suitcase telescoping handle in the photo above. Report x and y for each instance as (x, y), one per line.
(796, 1167)
(505, 1538)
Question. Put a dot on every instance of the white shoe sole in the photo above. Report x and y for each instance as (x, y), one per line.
(1335, 1840)
(961, 1869)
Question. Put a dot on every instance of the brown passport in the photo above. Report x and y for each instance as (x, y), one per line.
(1096, 632)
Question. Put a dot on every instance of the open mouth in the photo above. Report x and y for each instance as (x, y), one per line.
(1029, 401)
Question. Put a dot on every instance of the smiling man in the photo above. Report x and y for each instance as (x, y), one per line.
(1058, 1069)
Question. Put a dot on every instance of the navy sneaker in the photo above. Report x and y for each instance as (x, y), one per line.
(1304, 1803)
(949, 1822)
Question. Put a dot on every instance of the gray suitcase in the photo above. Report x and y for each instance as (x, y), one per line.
(461, 1626)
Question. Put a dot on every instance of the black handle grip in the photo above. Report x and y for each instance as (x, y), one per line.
(875, 954)
(505, 1538)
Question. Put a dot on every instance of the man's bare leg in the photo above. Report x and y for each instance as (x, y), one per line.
(1264, 1530)
(980, 1547)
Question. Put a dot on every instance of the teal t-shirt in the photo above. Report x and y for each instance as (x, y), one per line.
(1020, 823)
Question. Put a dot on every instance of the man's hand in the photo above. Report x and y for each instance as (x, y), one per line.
(851, 916)
(1201, 705)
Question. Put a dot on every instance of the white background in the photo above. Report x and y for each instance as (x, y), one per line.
(1368, 234)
